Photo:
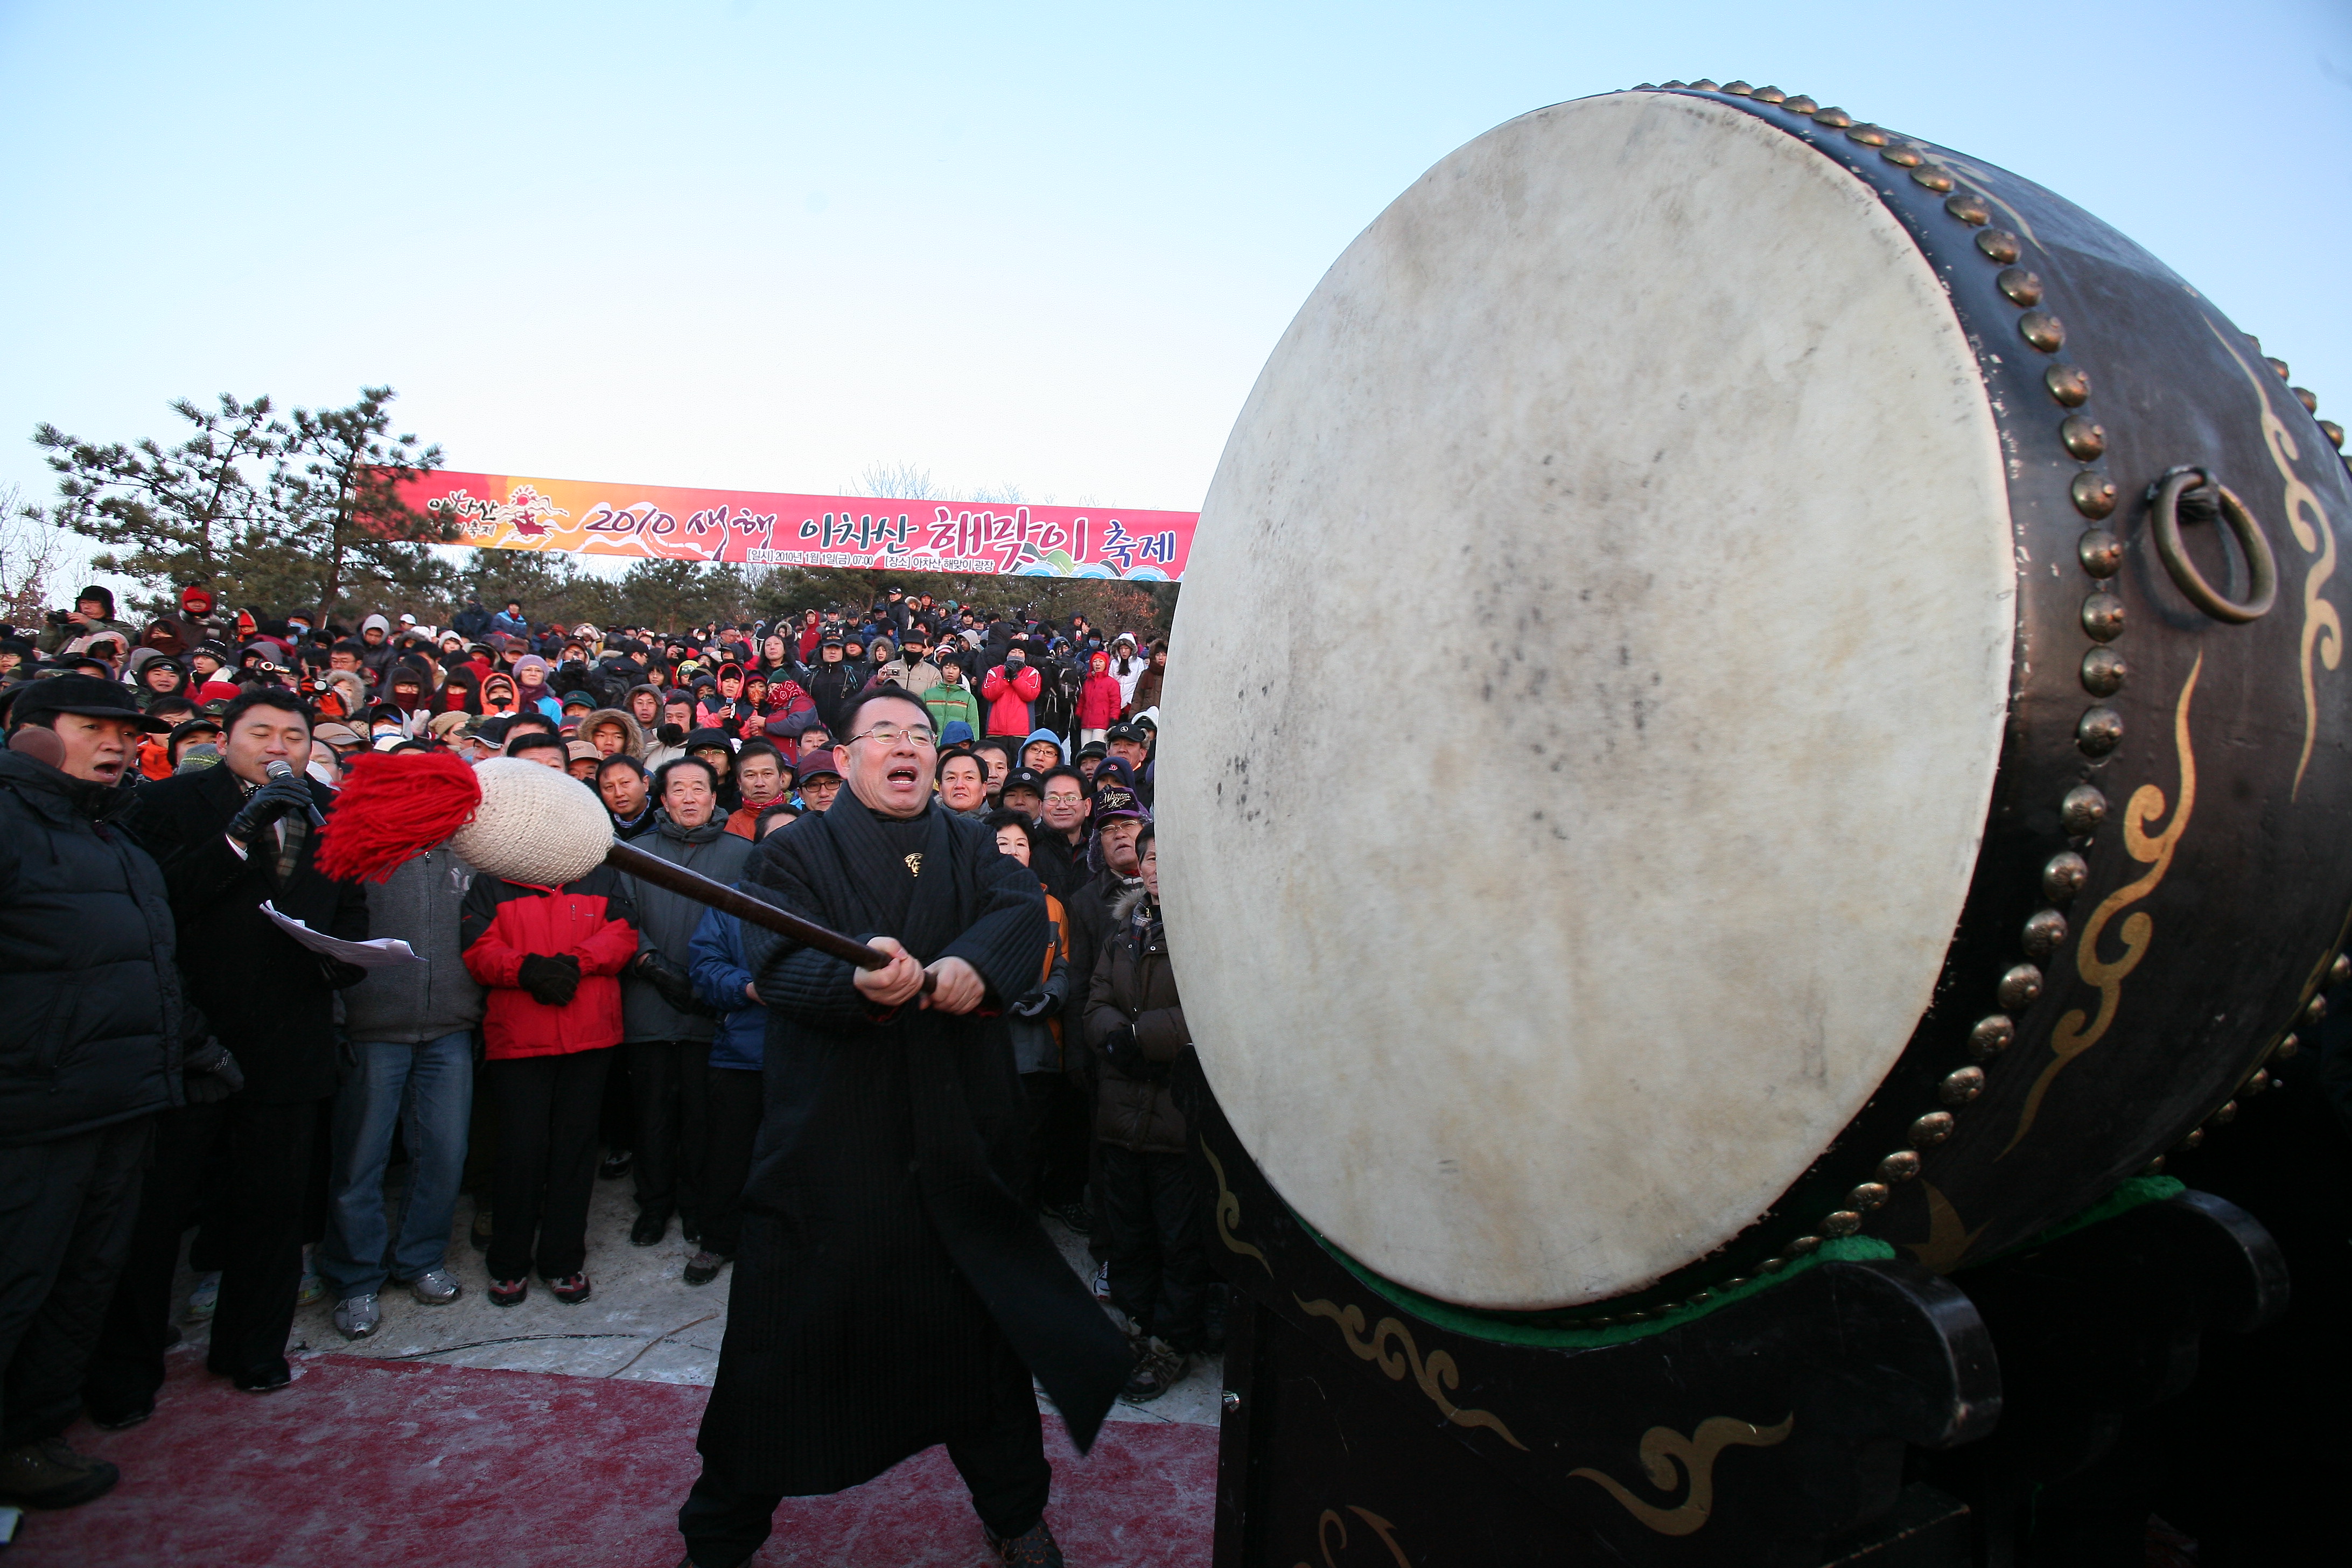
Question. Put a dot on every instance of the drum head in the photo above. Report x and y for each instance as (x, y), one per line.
(1585, 702)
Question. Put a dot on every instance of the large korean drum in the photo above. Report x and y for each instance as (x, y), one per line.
(1745, 679)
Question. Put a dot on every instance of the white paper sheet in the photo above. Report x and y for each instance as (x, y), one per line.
(378, 953)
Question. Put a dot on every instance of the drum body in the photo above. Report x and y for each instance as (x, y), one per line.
(1682, 738)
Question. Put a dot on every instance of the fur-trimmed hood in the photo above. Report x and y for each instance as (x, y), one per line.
(635, 745)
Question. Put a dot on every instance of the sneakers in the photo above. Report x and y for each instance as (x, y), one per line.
(615, 1164)
(704, 1267)
(312, 1290)
(357, 1316)
(572, 1290)
(1161, 1370)
(47, 1474)
(508, 1292)
(202, 1299)
(435, 1287)
(1074, 1214)
(1035, 1549)
(1102, 1284)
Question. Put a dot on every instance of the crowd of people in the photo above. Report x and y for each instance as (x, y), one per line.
(176, 1059)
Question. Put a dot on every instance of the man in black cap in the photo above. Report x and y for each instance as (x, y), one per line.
(832, 682)
(90, 1038)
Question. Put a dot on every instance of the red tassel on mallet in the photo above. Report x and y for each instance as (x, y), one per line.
(393, 808)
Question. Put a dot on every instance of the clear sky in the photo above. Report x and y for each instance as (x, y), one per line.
(763, 245)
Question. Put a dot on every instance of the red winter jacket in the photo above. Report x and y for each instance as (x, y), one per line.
(1099, 701)
(1008, 699)
(505, 922)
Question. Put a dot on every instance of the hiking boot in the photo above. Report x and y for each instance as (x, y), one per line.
(508, 1292)
(435, 1287)
(572, 1290)
(704, 1267)
(1161, 1370)
(1035, 1549)
(47, 1474)
(357, 1316)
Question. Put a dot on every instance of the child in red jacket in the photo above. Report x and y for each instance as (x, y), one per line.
(552, 958)
(1098, 700)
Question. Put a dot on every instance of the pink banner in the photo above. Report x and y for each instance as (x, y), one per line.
(505, 512)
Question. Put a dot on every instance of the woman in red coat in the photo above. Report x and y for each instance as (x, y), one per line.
(552, 958)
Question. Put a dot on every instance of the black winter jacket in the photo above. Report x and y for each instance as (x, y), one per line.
(90, 1027)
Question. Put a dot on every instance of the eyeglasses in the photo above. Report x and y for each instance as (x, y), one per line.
(891, 735)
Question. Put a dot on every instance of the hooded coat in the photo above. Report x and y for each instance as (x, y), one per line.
(633, 742)
(1135, 987)
(1011, 692)
(888, 1273)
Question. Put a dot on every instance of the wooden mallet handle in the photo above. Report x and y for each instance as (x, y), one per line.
(694, 885)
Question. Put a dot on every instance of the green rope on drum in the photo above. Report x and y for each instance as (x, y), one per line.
(2134, 1192)
(1544, 1329)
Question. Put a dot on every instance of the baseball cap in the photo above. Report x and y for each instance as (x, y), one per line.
(1026, 778)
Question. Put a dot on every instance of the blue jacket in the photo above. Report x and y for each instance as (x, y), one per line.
(720, 975)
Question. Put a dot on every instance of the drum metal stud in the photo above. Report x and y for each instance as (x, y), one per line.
(1904, 156)
(1801, 105)
(2276, 364)
(1844, 1222)
(1673, 84)
(2286, 1047)
(1770, 95)
(2045, 928)
(1933, 179)
(1734, 1282)
(1805, 1244)
(2022, 287)
(2103, 672)
(2100, 552)
(2064, 876)
(1772, 1266)
(1229, 1401)
(2099, 732)
(2080, 813)
(2334, 432)
(2308, 398)
(2260, 1081)
(2019, 988)
(1894, 1170)
(2341, 969)
(1968, 208)
(2042, 330)
(1834, 117)
(1867, 1196)
(1990, 1036)
(1960, 1086)
(2196, 1136)
(2093, 493)
(2102, 616)
(1932, 1129)
(1702, 85)
(2315, 1010)
(1739, 88)
(1868, 135)
(2225, 1115)
(2069, 384)
(2083, 437)
(1999, 244)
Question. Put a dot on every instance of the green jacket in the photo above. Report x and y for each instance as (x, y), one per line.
(950, 703)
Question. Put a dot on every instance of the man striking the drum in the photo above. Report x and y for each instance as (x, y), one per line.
(892, 1293)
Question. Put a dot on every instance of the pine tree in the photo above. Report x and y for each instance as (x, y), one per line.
(339, 529)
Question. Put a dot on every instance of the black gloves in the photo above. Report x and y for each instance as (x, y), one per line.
(551, 982)
(210, 1074)
(1128, 1057)
(1034, 1005)
(673, 984)
(340, 974)
(266, 805)
(670, 735)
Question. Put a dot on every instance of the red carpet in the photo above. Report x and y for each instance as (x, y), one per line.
(393, 1465)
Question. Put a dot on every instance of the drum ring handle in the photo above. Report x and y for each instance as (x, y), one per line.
(2165, 514)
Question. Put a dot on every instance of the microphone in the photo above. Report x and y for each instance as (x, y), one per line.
(278, 773)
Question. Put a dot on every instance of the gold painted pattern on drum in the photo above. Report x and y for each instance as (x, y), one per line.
(2322, 627)
(1381, 1527)
(1437, 1375)
(1229, 1213)
(2071, 1038)
(1948, 1236)
(1663, 1448)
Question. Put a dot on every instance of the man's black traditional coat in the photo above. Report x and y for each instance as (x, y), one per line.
(890, 1284)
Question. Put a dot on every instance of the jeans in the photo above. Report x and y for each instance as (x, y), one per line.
(427, 1091)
